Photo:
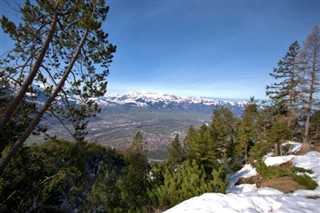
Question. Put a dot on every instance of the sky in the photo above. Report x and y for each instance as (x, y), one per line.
(207, 48)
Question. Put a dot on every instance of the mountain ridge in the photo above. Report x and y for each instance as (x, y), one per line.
(167, 101)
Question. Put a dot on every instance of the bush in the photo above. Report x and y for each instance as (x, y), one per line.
(301, 170)
(270, 172)
(304, 180)
(188, 181)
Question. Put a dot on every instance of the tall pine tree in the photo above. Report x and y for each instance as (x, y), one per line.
(58, 47)
(284, 92)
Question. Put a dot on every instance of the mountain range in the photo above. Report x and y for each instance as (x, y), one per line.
(172, 102)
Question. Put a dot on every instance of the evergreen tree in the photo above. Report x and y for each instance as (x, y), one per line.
(247, 128)
(188, 181)
(279, 133)
(201, 147)
(133, 182)
(175, 152)
(223, 131)
(310, 71)
(284, 92)
(73, 46)
(315, 127)
(189, 141)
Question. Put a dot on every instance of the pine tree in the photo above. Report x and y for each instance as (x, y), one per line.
(189, 141)
(315, 127)
(284, 92)
(133, 182)
(175, 152)
(201, 147)
(310, 71)
(223, 131)
(72, 37)
(188, 181)
(279, 133)
(247, 128)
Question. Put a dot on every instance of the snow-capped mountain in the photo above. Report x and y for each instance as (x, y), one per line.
(166, 101)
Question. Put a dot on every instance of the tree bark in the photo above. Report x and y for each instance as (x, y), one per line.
(45, 107)
(12, 105)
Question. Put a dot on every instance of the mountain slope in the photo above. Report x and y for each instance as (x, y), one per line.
(249, 198)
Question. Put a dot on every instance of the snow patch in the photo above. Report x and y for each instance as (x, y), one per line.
(273, 161)
(250, 199)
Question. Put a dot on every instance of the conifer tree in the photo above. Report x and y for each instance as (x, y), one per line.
(175, 152)
(247, 128)
(284, 92)
(310, 71)
(279, 133)
(73, 47)
(133, 182)
(201, 147)
(223, 131)
(315, 127)
(188, 181)
(189, 141)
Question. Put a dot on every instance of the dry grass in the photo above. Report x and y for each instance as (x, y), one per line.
(284, 184)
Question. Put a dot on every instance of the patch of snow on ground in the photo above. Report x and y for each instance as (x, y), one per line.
(294, 146)
(272, 161)
(262, 200)
(246, 171)
(250, 199)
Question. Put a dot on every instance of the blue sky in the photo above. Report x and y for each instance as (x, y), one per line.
(202, 48)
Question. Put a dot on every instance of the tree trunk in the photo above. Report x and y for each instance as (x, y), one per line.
(12, 105)
(276, 149)
(45, 107)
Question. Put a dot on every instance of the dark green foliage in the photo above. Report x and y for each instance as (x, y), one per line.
(41, 177)
(204, 149)
(279, 171)
(26, 179)
(209, 143)
(185, 182)
(259, 150)
(247, 129)
(284, 92)
(133, 182)
(270, 172)
(175, 152)
(223, 131)
(278, 134)
(301, 170)
(17, 125)
(104, 191)
(304, 180)
(315, 127)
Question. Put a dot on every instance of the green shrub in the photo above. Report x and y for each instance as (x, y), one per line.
(270, 172)
(185, 182)
(304, 180)
(302, 170)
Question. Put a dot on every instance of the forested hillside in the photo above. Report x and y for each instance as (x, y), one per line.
(61, 47)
